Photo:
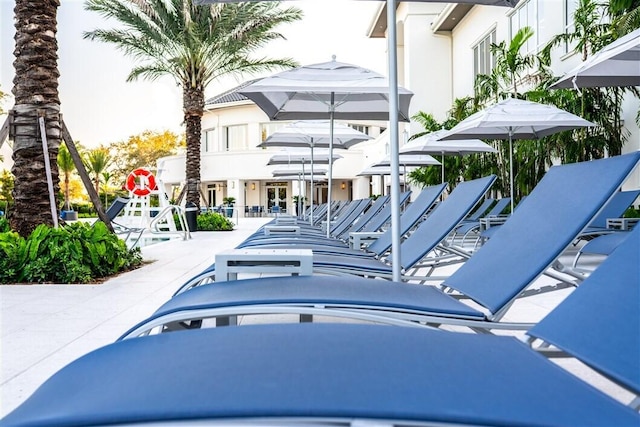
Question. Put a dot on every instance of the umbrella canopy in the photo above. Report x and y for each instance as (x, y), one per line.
(297, 171)
(617, 64)
(515, 119)
(382, 170)
(316, 178)
(314, 133)
(410, 160)
(429, 144)
(329, 90)
(318, 133)
(301, 157)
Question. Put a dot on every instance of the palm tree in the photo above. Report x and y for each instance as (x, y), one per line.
(625, 15)
(503, 82)
(35, 89)
(97, 161)
(195, 45)
(106, 176)
(510, 64)
(66, 166)
(599, 105)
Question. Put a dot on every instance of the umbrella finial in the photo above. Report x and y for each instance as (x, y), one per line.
(333, 58)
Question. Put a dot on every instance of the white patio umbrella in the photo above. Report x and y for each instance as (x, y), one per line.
(318, 133)
(515, 119)
(396, 99)
(297, 171)
(408, 160)
(617, 64)
(378, 170)
(429, 144)
(382, 170)
(301, 157)
(330, 90)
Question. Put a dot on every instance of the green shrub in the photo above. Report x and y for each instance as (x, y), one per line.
(212, 221)
(631, 212)
(4, 225)
(77, 253)
(209, 221)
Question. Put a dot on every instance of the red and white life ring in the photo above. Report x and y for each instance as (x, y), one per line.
(147, 182)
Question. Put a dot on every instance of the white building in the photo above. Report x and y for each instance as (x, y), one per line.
(233, 166)
(441, 48)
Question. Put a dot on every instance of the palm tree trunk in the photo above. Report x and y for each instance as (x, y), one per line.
(36, 94)
(193, 102)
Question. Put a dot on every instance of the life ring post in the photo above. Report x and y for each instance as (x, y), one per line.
(141, 182)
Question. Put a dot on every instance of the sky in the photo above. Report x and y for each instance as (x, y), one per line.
(100, 107)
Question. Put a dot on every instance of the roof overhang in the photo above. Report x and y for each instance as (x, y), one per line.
(447, 20)
(450, 16)
(378, 26)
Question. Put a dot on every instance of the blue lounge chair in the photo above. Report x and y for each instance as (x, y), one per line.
(467, 227)
(345, 374)
(599, 323)
(602, 245)
(410, 217)
(131, 235)
(359, 263)
(614, 209)
(499, 272)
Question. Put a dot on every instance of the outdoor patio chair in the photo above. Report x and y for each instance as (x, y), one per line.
(601, 246)
(410, 217)
(348, 215)
(479, 211)
(614, 209)
(335, 374)
(498, 273)
(131, 235)
(472, 226)
(599, 323)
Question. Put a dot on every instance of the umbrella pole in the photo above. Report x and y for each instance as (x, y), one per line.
(511, 167)
(331, 107)
(393, 130)
(311, 196)
(301, 182)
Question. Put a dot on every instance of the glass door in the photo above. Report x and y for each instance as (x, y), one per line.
(276, 196)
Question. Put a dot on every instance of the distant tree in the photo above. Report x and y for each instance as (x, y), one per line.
(6, 189)
(143, 150)
(625, 15)
(66, 166)
(106, 177)
(195, 45)
(35, 90)
(2, 98)
(427, 121)
(97, 161)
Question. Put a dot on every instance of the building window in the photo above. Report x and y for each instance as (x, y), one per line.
(361, 128)
(525, 16)
(570, 7)
(209, 142)
(236, 138)
(267, 129)
(483, 60)
(540, 15)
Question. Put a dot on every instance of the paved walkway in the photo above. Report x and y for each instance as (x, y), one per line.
(44, 327)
